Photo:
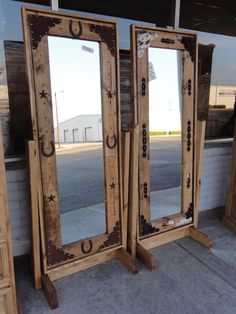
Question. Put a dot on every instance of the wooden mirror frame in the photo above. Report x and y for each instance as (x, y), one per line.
(149, 233)
(59, 260)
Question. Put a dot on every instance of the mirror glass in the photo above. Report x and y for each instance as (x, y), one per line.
(165, 77)
(77, 117)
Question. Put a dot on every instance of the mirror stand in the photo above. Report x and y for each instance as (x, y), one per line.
(164, 75)
(77, 165)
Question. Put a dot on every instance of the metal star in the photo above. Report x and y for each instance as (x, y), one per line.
(113, 185)
(51, 198)
(43, 94)
(110, 95)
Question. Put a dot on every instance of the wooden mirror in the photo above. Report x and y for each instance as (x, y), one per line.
(164, 92)
(81, 224)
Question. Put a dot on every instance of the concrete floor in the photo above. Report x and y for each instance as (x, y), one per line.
(189, 279)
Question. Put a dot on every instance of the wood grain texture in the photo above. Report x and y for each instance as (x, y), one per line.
(49, 291)
(8, 303)
(133, 221)
(35, 227)
(200, 237)
(146, 257)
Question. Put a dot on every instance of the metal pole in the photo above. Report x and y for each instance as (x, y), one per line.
(177, 13)
(58, 127)
(54, 5)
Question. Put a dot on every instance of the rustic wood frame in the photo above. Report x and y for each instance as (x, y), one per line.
(153, 233)
(8, 300)
(58, 261)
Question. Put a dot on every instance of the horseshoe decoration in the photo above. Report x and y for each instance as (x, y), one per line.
(89, 249)
(74, 35)
(44, 153)
(108, 141)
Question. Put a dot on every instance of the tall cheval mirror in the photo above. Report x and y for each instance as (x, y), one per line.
(72, 65)
(164, 74)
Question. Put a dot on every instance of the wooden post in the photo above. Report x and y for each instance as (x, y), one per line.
(146, 257)
(200, 138)
(49, 291)
(133, 197)
(33, 191)
(200, 237)
(8, 301)
(125, 140)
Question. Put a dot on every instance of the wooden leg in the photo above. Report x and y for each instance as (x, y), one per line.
(146, 257)
(230, 223)
(200, 237)
(127, 260)
(49, 292)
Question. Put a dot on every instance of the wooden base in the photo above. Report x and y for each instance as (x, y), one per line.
(200, 237)
(127, 260)
(230, 223)
(49, 292)
(144, 245)
(146, 257)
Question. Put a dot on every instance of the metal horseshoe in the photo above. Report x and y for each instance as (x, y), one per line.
(44, 153)
(89, 249)
(108, 141)
(72, 32)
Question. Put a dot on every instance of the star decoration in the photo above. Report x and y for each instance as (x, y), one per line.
(51, 198)
(43, 94)
(110, 95)
(112, 185)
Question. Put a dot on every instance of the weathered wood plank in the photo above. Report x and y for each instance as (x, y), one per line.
(8, 303)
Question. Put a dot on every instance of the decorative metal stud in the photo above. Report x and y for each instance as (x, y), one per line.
(188, 181)
(167, 41)
(189, 136)
(40, 26)
(113, 237)
(189, 87)
(143, 86)
(144, 140)
(107, 35)
(189, 45)
(56, 255)
(146, 228)
(189, 212)
(145, 190)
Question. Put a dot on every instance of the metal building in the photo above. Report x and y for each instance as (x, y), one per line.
(82, 128)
